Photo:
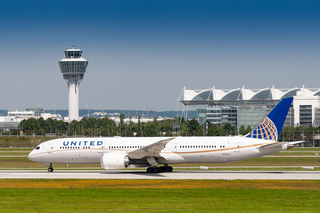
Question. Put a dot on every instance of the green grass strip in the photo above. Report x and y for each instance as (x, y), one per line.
(159, 200)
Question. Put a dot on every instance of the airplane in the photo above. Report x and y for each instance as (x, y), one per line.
(135, 152)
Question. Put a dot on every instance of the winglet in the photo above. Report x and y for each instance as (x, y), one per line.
(270, 127)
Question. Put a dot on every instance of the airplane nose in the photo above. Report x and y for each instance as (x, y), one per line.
(30, 156)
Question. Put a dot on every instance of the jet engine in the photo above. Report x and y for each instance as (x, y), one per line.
(114, 161)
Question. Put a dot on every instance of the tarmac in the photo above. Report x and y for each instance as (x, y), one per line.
(138, 174)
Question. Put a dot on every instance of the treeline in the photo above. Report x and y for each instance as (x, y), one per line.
(107, 127)
(168, 127)
(135, 113)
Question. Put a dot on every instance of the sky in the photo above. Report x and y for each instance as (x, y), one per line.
(142, 53)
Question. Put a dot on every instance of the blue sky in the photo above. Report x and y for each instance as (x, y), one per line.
(142, 53)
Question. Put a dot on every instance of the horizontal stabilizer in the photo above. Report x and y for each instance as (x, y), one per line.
(295, 142)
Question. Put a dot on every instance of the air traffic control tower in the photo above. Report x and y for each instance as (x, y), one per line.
(73, 67)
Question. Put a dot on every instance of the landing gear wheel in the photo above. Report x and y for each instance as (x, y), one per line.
(169, 169)
(162, 168)
(50, 169)
(150, 170)
(156, 169)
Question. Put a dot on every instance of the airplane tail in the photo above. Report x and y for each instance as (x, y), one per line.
(270, 127)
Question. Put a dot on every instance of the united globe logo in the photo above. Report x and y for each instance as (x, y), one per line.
(266, 129)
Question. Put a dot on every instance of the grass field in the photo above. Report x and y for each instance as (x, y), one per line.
(159, 196)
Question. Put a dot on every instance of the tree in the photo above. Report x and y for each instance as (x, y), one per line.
(242, 130)
(121, 124)
(214, 130)
(249, 129)
(193, 125)
(149, 131)
(227, 128)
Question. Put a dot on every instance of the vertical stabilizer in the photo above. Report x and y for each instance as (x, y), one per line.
(270, 127)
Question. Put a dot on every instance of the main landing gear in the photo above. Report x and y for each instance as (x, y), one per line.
(155, 169)
(50, 169)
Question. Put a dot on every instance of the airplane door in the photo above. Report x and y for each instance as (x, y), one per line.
(174, 147)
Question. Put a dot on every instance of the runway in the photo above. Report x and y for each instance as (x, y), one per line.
(138, 174)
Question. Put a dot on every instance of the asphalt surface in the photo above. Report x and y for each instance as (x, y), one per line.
(138, 174)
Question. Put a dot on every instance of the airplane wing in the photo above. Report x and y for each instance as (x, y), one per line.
(152, 150)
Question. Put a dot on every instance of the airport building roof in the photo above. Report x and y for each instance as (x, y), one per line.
(212, 96)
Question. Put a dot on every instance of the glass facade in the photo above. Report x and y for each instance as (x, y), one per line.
(305, 115)
(229, 115)
(213, 115)
(317, 117)
(240, 115)
(250, 115)
(73, 66)
(218, 115)
(73, 70)
(73, 53)
(37, 111)
(201, 115)
(290, 118)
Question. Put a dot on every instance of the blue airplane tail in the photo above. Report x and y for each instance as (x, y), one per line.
(270, 127)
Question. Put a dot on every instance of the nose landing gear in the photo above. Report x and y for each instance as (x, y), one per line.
(50, 169)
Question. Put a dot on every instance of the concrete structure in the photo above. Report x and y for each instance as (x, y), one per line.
(247, 107)
(73, 67)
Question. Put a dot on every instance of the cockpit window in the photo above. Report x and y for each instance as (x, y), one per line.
(38, 147)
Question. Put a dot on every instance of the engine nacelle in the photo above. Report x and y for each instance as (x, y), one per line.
(114, 161)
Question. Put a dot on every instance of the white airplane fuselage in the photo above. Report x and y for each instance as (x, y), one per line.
(178, 150)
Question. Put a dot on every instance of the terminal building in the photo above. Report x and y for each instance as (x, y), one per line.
(247, 107)
(13, 119)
